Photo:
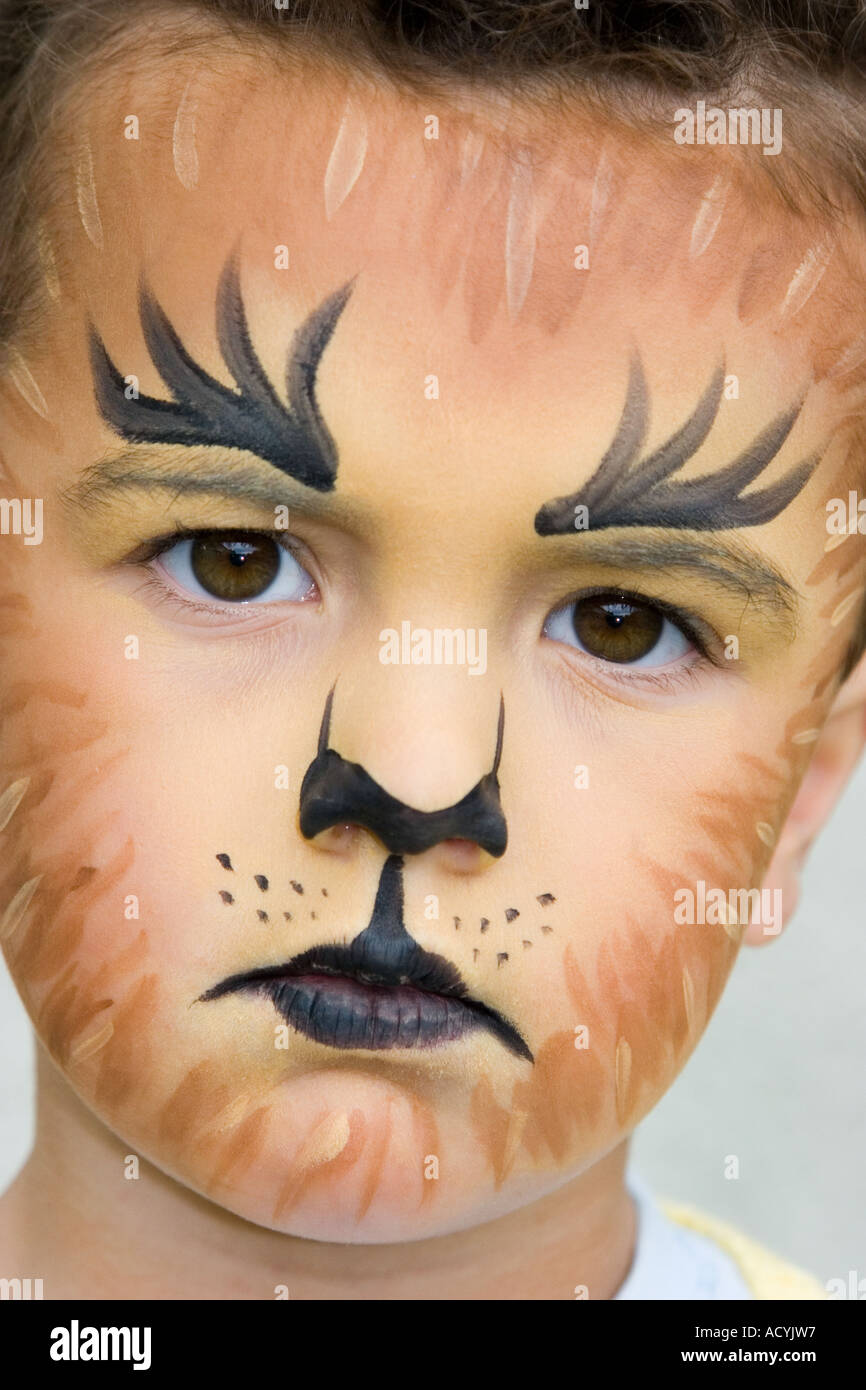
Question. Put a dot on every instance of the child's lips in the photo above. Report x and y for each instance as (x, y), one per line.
(355, 997)
(339, 1011)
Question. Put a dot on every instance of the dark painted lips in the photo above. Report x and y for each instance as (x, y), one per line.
(381, 991)
(338, 996)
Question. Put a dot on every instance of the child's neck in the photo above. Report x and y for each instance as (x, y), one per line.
(71, 1219)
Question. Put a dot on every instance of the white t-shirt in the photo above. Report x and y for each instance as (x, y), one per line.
(673, 1262)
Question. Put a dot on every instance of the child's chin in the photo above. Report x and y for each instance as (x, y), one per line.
(348, 1157)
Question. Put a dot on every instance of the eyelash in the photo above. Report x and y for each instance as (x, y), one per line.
(666, 681)
(693, 628)
(144, 556)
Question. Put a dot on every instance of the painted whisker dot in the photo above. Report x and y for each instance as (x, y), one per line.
(456, 923)
(526, 943)
(226, 896)
(485, 923)
(262, 915)
(545, 899)
(324, 892)
(288, 916)
(475, 953)
(511, 913)
(261, 881)
(224, 860)
(313, 916)
(298, 887)
(766, 833)
(501, 957)
(547, 930)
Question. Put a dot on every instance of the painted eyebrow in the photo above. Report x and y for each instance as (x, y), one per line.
(733, 565)
(622, 492)
(294, 439)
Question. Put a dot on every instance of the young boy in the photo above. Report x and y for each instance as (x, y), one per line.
(509, 362)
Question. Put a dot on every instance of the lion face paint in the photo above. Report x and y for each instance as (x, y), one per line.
(439, 967)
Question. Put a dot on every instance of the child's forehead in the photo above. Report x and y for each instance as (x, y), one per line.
(516, 241)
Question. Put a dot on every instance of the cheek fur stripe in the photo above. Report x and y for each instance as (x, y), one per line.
(709, 216)
(473, 146)
(47, 261)
(623, 1074)
(85, 195)
(346, 159)
(519, 238)
(11, 800)
(600, 195)
(18, 906)
(183, 148)
(26, 385)
(806, 279)
(86, 1049)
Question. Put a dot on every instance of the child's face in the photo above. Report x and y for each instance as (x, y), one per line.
(161, 731)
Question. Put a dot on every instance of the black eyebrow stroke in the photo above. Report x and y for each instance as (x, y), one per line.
(622, 493)
(205, 412)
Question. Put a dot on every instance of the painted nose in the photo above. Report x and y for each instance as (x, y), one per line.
(336, 792)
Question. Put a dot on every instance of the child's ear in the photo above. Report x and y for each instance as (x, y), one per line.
(834, 759)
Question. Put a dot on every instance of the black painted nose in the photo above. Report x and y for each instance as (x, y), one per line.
(337, 792)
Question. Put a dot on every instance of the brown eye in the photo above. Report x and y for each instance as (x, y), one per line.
(236, 567)
(619, 628)
(616, 630)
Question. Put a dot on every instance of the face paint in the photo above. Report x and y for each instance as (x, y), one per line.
(347, 157)
(203, 411)
(183, 146)
(85, 190)
(328, 1137)
(383, 991)
(621, 493)
(336, 792)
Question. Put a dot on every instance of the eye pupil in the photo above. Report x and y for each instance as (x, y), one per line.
(615, 629)
(616, 614)
(235, 567)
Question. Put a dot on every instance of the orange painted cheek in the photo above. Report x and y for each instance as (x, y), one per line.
(639, 980)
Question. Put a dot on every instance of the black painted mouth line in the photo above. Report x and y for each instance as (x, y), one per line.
(349, 997)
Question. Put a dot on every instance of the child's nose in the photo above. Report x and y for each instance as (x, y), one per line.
(339, 795)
